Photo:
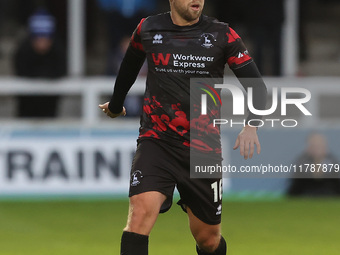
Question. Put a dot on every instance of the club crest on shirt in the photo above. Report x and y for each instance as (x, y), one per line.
(135, 177)
(207, 40)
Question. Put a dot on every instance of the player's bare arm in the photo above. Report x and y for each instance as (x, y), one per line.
(250, 77)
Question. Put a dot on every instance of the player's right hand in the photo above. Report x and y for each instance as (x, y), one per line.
(105, 109)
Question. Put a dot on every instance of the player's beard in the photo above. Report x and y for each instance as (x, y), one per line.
(186, 13)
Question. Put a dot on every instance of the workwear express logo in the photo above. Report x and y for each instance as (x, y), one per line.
(160, 59)
(297, 97)
(181, 60)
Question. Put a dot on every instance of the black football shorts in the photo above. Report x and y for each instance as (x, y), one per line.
(160, 167)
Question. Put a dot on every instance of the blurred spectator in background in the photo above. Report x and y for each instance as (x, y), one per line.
(263, 22)
(122, 17)
(313, 181)
(40, 55)
(57, 8)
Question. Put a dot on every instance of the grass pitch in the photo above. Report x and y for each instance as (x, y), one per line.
(251, 228)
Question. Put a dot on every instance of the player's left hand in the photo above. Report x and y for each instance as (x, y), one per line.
(246, 140)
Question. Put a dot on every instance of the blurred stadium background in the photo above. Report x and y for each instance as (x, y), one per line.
(64, 175)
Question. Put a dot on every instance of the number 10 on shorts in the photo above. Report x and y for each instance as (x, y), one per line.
(218, 190)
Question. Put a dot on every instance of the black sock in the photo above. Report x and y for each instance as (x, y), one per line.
(221, 249)
(134, 244)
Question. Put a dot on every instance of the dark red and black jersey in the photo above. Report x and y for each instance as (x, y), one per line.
(175, 54)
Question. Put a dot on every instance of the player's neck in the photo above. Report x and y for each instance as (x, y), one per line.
(179, 21)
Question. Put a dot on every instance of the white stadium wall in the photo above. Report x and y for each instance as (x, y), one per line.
(64, 163)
